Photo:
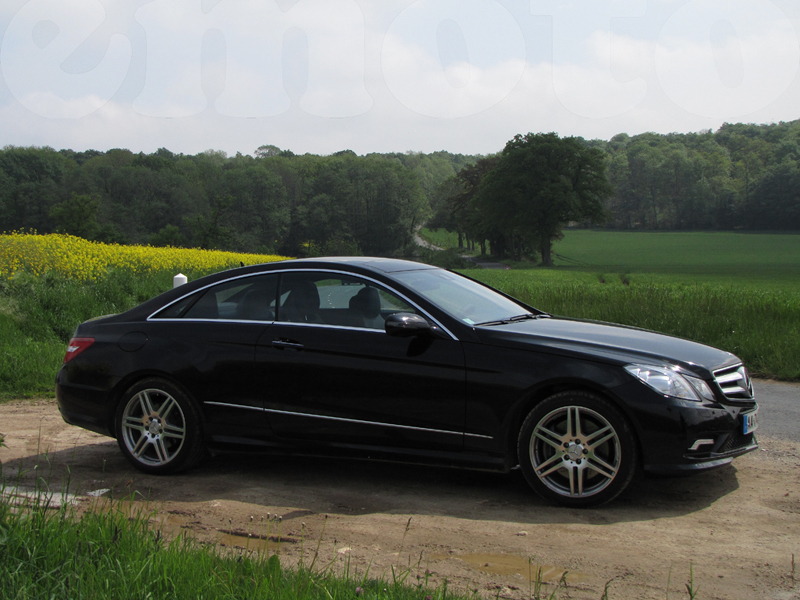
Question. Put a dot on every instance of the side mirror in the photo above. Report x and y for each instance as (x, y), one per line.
(406, 325)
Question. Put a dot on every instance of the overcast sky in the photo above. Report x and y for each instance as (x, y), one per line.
(386, 75)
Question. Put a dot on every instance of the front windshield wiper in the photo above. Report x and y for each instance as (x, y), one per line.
(508, 320)
(523, 317)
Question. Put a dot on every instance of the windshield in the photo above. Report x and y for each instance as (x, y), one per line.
(461, 298)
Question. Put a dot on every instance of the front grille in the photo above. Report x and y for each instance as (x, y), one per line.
(735, 441)
(735, 383)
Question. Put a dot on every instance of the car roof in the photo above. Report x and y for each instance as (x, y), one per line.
(362, 264)
(385, 265)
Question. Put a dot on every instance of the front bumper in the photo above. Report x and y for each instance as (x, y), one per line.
(682, 436)
(705, 462)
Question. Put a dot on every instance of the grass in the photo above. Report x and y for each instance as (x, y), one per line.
(735, 291)
(116, 550)
(38, 315)
(113, 554)
(744, 257)
(445, 239)
(761, 327)
(724, 258)
(51, 283)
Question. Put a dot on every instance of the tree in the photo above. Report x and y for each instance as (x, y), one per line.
(208, 231)
(168, 236)
(32, 185)
(465, 216)
(267, 151)
(541, 183)
(77, 216)
(775, 202)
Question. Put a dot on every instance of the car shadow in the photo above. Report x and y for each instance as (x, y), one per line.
(335, 486)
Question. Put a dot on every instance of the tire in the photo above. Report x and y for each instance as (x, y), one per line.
(576, 449)
(159, 428)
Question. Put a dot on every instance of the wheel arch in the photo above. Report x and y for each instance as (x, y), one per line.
(131, 379)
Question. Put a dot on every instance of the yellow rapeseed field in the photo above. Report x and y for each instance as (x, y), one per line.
(76, 258)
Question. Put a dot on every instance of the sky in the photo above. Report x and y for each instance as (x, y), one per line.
(320, 76)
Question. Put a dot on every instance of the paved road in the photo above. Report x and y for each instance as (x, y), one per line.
(779, 409)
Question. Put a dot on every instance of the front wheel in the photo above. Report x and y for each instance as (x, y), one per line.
(159, 428)
(575, 449)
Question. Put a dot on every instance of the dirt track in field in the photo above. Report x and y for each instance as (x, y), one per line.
(738, 527)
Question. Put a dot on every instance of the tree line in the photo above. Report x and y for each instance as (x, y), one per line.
(273, 202)
(741, 177)
(514, 203)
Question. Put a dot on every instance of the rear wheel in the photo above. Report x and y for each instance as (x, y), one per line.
(576, 449)
(159, 427)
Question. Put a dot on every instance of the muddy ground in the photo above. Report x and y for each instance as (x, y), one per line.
(737, 527)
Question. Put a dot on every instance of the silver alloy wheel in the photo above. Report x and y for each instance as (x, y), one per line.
(153, 427)
(575, 451)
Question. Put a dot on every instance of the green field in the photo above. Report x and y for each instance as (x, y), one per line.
(738, 292)
(772, 260)
(718, 257)
(735, 291)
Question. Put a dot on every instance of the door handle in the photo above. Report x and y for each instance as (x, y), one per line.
(286, 344)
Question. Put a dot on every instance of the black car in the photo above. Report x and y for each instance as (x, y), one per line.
(395, 360)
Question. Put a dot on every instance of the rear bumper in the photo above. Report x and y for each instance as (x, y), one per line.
(85, 407)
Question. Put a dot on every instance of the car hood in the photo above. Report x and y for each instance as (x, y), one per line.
(606, 342)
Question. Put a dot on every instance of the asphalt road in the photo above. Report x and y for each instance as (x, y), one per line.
(779, 409)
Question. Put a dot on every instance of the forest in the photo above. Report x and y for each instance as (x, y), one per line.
(740, 177)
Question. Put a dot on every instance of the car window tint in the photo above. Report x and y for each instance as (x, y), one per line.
(312, 297)
(248, 299)
(178, 309)
(391, 304)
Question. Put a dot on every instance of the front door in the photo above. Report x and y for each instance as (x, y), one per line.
(351, 383)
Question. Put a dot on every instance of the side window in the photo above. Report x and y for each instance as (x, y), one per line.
(343, 300)
(178, 309)
(243, 299)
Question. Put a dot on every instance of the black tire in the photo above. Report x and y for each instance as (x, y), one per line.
(576, 449)
(159, 428)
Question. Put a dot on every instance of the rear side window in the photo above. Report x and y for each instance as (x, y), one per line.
(243, 299)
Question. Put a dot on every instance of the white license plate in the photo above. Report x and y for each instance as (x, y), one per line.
(750, 422)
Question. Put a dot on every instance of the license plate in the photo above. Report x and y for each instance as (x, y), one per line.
(750, 422)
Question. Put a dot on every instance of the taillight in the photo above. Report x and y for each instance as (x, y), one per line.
(76, 346)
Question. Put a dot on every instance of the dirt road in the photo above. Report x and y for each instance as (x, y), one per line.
(738, 527)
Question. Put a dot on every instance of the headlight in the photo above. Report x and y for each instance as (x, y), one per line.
(670, 383)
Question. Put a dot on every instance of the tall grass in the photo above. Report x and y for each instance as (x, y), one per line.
(38, 314)
(757, 319)
(49, 284)
(762, 327)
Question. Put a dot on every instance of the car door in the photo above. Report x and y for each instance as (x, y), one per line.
(351, 383)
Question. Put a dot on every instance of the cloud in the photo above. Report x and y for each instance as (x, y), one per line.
(254, 34)
(421, 84)
(325, 75)
(741, 65)
(49, 64)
